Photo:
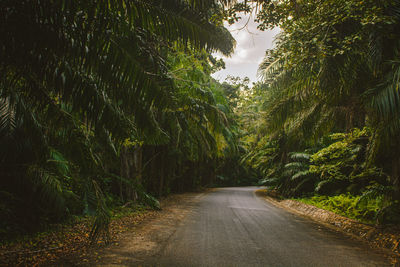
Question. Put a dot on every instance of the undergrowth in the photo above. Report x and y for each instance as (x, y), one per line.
(69, 240)
(347, 205)
(72, 224)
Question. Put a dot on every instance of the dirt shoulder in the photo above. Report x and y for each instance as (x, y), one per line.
(387, 238)
(134, 237)
(139, 244)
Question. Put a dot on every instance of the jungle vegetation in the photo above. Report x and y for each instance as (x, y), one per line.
(327, 108)
(106, 103)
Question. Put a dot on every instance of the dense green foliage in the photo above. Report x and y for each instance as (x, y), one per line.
(110, 103)
(326, 114)
(107, 103)
(347, 205)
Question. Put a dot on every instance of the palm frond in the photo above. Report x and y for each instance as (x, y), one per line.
(386, 98)
(103, 216)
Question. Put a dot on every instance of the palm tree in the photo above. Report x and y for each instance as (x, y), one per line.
(335, 67)
(78, 78)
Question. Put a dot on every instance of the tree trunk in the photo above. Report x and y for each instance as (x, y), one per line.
(124, 172)
(395, 177)
(161, 176)
(131, 170)
(355, 115)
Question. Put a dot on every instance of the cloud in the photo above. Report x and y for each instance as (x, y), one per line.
(250, 50)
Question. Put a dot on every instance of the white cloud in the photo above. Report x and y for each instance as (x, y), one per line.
(250, 50)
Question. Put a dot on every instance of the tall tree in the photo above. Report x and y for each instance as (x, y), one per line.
(79, 79)
(334, 68)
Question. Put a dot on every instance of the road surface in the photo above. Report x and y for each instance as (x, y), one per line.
(233, 227)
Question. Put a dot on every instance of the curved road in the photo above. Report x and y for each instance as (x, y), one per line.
(233, 227)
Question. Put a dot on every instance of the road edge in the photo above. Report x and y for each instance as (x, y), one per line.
(384, 239)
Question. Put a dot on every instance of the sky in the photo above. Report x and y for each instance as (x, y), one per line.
(251, 45)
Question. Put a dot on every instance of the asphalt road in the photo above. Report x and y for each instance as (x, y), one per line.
(233, 227)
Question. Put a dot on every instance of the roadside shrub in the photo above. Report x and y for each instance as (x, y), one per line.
(348, 205)
(298, 180)
(336, 164)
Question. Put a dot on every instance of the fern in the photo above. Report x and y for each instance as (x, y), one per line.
(301, 174)
(298, 156)
(346, 205)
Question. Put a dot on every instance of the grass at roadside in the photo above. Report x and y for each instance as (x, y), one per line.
(346, 205)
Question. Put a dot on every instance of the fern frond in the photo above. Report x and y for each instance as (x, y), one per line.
(301, 175)
(295, 166)
(300, 156)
